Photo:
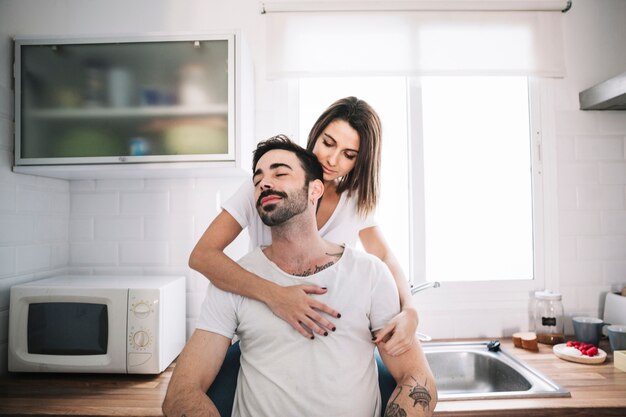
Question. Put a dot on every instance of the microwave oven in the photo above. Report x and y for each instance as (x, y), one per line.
(103, 324)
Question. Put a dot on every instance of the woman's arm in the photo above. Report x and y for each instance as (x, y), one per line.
(401, 328)
(291, 304)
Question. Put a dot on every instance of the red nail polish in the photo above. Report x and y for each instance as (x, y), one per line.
(338, 315)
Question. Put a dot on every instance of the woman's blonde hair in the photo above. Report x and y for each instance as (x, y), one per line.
(364, 178)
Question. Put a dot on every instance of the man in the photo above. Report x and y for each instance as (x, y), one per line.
(283, 374)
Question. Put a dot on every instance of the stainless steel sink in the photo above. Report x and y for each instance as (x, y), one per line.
(469, 370)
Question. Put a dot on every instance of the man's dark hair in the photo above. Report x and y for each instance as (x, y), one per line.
(312, 167)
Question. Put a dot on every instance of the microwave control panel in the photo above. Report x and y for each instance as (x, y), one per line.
(143, 324)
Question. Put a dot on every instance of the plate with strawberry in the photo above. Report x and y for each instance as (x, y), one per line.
(579, 352)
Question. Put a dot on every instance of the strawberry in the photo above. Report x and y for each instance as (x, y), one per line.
(587, 349)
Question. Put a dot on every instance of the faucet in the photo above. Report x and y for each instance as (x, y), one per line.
(414, 290)
(424, 286)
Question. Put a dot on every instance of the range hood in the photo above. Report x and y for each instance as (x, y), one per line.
(608, 95)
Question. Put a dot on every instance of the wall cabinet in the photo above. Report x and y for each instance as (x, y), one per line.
(144, 106)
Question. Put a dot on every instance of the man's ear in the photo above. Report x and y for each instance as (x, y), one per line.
(316, 189)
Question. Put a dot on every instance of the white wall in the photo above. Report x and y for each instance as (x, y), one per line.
(149, 226)
(146, 227)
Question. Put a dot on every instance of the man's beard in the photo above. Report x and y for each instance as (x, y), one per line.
(274, 215)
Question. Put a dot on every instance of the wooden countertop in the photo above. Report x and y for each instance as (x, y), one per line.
(598, 390)
(83, 394)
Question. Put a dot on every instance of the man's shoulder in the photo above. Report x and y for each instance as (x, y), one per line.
(361, 257)
(363, 261)
(252, 258)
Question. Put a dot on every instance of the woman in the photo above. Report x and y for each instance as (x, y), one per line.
(347, 141)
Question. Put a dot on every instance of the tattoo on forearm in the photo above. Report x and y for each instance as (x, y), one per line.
(418, 393)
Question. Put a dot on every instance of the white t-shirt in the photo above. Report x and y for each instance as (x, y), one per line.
(285, 374)
(342, 227)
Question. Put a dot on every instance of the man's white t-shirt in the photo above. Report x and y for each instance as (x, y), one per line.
(342, 227)
(285, 374)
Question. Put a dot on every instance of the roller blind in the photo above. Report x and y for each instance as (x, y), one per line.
(414, 43)
(279, 6)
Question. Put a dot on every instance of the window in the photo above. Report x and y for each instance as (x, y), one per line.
(457, 198)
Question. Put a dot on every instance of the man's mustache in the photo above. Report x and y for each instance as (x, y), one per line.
(268, 193)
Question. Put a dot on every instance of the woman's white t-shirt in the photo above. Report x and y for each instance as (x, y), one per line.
(342, 227)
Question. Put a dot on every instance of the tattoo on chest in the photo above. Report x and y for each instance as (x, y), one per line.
(319, 268)
(315, 270)
(336, 255)
(418, 393)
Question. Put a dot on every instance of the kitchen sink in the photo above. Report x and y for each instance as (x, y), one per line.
(471, 370)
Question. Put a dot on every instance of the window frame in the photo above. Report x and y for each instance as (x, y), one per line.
(417, 264)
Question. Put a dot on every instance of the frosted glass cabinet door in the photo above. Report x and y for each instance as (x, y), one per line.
(124, 102)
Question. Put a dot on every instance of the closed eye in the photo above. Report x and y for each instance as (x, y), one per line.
(328, 141)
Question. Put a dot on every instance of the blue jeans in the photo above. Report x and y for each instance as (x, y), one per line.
(222, 392)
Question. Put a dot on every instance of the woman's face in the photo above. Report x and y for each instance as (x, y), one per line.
(337, 149)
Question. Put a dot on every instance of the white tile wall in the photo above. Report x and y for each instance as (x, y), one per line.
(591, 163)
(144, 227)
(32, 258)
(92, 202)
(599, 148)
(614, 273)
(600, 197)
(144, 253)
(94, 253)
(149, 202)
(612, 172)
(592, 210)
(118, 228)
(578, 173)
(7, 260)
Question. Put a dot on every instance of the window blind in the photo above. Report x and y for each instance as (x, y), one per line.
(414, 43)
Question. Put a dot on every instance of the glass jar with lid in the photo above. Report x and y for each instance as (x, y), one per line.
(549, 320)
